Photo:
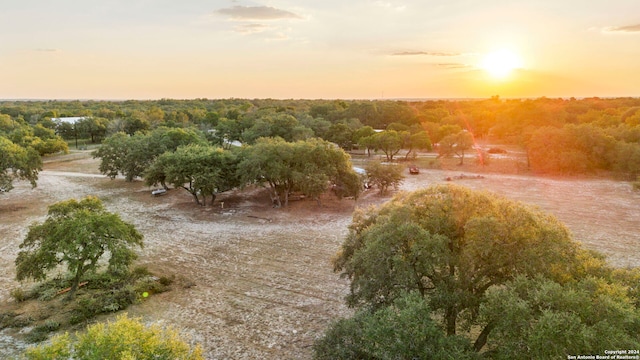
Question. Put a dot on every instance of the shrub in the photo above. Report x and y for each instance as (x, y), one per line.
(19, 294)
(495, 150)
(123, 339)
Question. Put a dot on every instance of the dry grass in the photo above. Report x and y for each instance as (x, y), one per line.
(258, 281)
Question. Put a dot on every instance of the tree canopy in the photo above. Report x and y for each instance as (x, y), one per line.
(384, 176)
(202, 170)
(132, 155)
(77, 234)
(455, 247)
(17, 163)
(308, 166)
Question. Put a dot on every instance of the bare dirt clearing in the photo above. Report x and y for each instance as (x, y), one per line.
(263, 285)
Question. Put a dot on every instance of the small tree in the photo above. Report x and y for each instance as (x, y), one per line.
(17, 162)
(389, 141)
(384, 176)
(416, 141)
(123, 339)
(77, 234)
(456, 144)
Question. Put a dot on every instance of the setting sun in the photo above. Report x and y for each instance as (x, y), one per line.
(501, 63)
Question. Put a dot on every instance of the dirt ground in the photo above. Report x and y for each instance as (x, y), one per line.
(263, 285)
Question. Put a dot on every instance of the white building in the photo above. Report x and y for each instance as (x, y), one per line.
(68, 120)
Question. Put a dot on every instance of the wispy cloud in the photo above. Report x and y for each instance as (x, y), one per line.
(453, 65)
(424, 53)
(251, 28)
(47, 50)
(243, 13)
(388, 5)
(623, 29)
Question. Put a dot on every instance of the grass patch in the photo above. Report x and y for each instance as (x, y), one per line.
(47, 310)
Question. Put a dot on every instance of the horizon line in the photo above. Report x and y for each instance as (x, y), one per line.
(324, 99)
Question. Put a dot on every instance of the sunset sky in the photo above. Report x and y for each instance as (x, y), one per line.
(360, 49)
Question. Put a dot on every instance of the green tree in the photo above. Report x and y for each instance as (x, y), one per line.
(202, 170)
(416, 141)
(403, 330)
(125, 338)
(309, 166)
(537, 318)
(94, 127)
(131, 156)
(77, 234)
(17, 163)
(451, 245)
(41, 139)
(368, 142)
(341, 134)
(384, 176)
(362, 132)
(389, 141)
(136, 122)
(281, 125)
(456, 144)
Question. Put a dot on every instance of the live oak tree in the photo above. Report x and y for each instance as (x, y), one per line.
(202, 170)
(77, 234)
(537, 318)
(533, 318)
(451, 245)
(384, 176)
(456, 145)
(389, 141)
(17, 163)
(415, 141)
(403, 330)
(308, 166)
(132, 155)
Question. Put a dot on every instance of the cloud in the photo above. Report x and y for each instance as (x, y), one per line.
(389, 5)
(453, 65)
(424, 53)
(623, 29)
(256, 13)
(47, 50)
(251, 28)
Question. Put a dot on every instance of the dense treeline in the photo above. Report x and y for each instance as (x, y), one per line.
(561, 136)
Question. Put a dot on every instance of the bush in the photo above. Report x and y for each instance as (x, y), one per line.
(41, 332)
(166, 281)
(151, 285)
(140, 272)
(123, 339)
(495, 150)
(47, 294)
(384, 176)
(19, 294)
(7, 319)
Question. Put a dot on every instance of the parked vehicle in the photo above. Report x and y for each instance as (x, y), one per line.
(158, 192)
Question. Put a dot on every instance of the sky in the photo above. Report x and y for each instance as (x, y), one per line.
(330, 49)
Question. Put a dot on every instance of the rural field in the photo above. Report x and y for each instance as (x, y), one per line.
(257, 282)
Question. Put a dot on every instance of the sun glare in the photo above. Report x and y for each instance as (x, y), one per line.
(501, 63)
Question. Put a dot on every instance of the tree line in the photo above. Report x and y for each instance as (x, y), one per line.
(560, 136)
(183, 158)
